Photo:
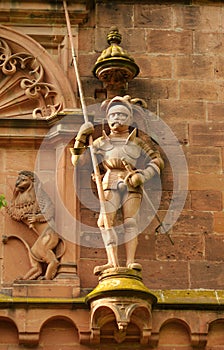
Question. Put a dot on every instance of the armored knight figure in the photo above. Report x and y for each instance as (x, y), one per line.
(122, 182)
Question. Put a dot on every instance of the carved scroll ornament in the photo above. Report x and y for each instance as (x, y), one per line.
(23, 89)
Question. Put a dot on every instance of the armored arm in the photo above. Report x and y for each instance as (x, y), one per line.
(81, 142)
(154, 165)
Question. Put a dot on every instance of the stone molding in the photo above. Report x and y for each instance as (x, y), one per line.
(188, 313)
(43, 12)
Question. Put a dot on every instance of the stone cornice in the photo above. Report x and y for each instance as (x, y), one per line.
(172, 299)
(10, 301)
(61, 128)
(190, 299)
(39, 12)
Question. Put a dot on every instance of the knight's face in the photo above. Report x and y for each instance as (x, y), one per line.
(119, 118)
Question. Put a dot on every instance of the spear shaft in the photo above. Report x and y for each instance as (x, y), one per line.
(86, 119)
(75, 65)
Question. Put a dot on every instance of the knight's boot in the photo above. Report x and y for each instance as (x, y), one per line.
(112, 260)
(110, 241)
(131, 244)
(130, 253)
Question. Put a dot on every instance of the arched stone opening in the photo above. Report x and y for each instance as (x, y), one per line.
(215, 339)
(8, 332)
(58, 332)
(174, 333)
(110, 325)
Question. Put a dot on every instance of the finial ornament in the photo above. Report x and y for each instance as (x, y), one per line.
(115, 67)
(114, 36)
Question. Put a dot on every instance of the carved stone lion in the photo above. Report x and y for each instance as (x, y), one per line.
(32, 206)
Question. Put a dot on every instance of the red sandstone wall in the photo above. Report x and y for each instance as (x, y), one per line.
(179, 49)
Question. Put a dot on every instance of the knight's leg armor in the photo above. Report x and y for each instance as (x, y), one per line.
(130, 212)
(131, 242)
(109, 237)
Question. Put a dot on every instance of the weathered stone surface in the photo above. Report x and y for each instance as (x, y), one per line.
(209, 42)
(203, 160)
(186, 247)
(198, 18)
(151, 16)
(215, 112)
(214, 247)
(198, 67)
(199, 90)
(194, 222)
(206, 182)
(179, 48)
(178, 111)
(168, 41)
(218, 222)
(207, 135)
(155, 67)
(107, 12)
(206, 200)
(170, 274)
(206, 274)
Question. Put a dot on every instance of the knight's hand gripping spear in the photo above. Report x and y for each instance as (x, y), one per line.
(84, 139)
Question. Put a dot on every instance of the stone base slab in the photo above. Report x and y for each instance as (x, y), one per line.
(64, 288)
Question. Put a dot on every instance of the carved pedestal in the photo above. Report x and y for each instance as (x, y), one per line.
(66, 288)
(121, 307)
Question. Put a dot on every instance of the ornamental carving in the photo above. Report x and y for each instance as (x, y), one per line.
(24, 90)
(128, 313)
(32, 206)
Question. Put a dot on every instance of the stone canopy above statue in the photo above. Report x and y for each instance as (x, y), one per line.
(115, 67)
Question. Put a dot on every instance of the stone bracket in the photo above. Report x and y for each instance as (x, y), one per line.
(121, 297)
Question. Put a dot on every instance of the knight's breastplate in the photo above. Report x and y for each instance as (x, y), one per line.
(113, 151)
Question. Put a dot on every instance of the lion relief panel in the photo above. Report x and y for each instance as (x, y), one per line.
(31, 206)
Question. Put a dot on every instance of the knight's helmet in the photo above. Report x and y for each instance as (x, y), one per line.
(121, 105)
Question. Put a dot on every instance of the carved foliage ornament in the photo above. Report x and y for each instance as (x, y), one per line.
(23, 91)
